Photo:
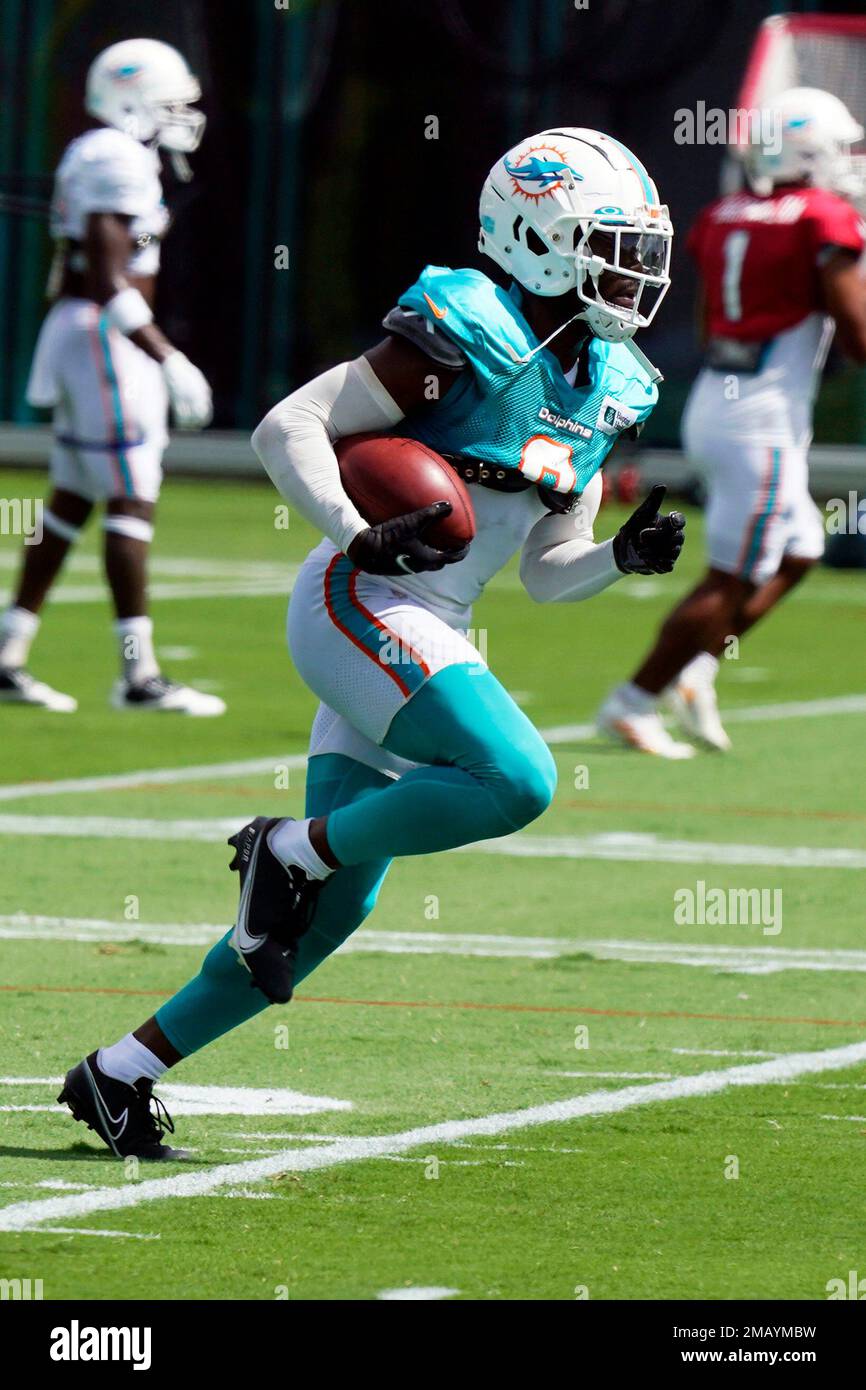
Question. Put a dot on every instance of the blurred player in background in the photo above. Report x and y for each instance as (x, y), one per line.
(426, 751)
(107, 371)
(778, 266)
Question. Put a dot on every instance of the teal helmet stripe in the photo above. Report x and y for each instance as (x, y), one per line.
(638, 168)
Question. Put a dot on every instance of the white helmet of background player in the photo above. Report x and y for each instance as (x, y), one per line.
(145, 88)
(564, 207)
(805, 135)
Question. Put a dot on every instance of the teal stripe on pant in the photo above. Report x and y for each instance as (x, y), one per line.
(395, 657)
(222, 996)
(757, 541)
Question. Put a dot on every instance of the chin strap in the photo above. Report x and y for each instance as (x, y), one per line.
(549, 339)
(181, 166)
(649, 367)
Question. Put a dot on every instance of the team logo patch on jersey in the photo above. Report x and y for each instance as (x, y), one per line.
(538, 172)
(613, 416)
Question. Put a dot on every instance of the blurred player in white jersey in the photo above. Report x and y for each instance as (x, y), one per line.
(780, 269)
(106, 370)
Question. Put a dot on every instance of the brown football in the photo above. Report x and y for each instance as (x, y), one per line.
(386, 477)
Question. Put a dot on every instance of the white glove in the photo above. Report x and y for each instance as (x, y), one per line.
(188, 391)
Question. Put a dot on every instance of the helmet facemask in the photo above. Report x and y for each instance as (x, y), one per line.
(179, 129)
(850, 179)
(179, 125)
(623, 272)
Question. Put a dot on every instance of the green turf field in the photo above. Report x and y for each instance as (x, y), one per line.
(526, 1079)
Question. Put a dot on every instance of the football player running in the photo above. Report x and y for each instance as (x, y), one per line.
(525, 390)
(779, 270)
(107, 371)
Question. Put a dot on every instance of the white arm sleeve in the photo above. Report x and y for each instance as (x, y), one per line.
(295, 443)
(560, 562)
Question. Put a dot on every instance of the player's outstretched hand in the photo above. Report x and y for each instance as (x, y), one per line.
(188, 392)
(397, 547)
(649, 543)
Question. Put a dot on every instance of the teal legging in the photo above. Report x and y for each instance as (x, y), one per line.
(486, 773)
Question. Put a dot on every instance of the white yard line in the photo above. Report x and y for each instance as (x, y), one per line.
(617, 1075)
(157, 776)
(238, 588)
(85, 1231)
(22, 1216)
(84, 929)
(745, 959)
(120, 827)
(619, 846)
(180, 566)
(563, 733)
(207, 1100)
(416, 1293)
(719, 1052)
(180, 578)
(631, 847)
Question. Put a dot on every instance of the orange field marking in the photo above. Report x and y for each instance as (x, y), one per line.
(471, 1004)
(671, 808)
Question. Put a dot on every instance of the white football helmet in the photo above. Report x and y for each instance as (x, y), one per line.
(805, 135)
(145, 88)
(568, 206)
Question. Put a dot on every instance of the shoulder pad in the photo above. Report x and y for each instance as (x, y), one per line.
(426, 334)
(105, 144)
(473, 312)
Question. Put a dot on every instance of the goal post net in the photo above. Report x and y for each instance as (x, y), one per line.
(826, 51)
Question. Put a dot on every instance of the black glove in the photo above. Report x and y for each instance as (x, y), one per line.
(649, 543)
(396, 547)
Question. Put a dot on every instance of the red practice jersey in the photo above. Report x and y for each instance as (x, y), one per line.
(758, 258)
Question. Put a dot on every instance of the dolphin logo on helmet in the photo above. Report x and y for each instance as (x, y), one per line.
(546, 173)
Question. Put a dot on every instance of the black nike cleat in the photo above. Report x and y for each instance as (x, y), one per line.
(276, 907)
(119, 1113)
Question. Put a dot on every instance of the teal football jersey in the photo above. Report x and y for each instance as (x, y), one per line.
(519, 411)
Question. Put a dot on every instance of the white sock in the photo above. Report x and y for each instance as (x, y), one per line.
(18, 627)
(702, 668)
(137, 658)
(290, 843)
(638, 700)
(129, 1060)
